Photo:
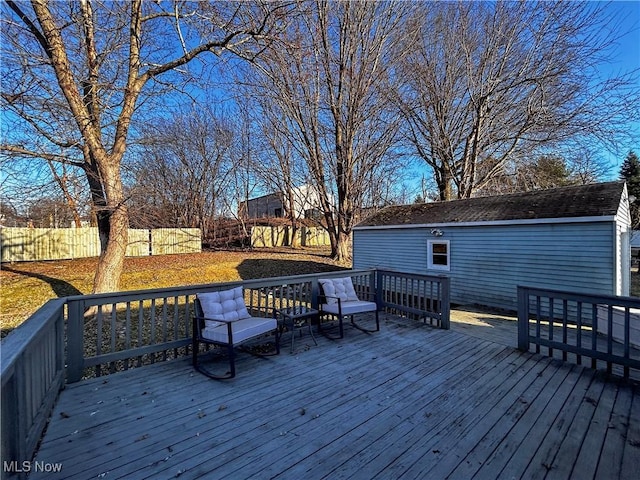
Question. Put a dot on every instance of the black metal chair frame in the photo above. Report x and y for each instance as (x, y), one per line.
(199, 323)
(322, 299)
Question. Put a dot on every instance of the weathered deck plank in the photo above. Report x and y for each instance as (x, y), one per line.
(493, 451)
(610, 462)
(514, 454)
(631, 456)
(409, 401)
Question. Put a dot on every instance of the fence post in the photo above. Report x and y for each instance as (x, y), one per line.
(523, 319)
(445, 308)
(75, 342)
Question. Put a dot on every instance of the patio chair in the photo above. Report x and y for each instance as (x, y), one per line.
(338, 299)
(222, 319)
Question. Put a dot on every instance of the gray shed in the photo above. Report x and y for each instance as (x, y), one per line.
(571, 238)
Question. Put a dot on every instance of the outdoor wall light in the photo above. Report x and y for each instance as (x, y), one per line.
(436, 232)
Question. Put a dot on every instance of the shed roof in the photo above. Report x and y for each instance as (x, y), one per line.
(595, 200)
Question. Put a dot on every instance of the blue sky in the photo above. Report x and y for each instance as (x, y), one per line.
(625, 57)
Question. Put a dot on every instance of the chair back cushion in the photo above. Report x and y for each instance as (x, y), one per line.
(341, 288)
(223, 305)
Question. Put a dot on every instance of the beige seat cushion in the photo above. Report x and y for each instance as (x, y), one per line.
(349, 308)
(243, 329)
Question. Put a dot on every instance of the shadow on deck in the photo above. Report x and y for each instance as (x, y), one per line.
(410, 401)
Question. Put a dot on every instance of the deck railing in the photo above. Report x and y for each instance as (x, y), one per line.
(111, 332)
(32, 376)
(603, 328)
(423, 297)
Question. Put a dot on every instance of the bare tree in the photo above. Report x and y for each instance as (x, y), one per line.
(45, 181)
(578, 167)
(66, 183)
(486, 82)
(325, 79)
(182, 170)
(245, 154)
(76, 73)
(276, 163)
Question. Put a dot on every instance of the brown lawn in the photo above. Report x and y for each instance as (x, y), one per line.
(26, 286)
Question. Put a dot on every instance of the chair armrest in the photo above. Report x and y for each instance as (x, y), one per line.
(338, 301)
(329, 296)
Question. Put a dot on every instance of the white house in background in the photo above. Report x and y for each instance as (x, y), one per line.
(572, 238)
(306, 204)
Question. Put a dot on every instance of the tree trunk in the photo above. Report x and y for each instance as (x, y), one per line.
(295, 239)
(111, 261)
(343, 248)
(443, 180)
(333, 241)
(113, 227)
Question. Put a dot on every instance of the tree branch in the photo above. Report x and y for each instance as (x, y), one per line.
(46, 156)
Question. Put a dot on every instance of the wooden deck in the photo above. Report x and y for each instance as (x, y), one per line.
(407, 402)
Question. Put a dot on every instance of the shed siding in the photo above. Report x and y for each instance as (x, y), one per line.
(488, 262)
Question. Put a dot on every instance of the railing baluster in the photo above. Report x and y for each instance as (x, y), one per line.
(152, 320)
(627, 338)
(140, 328)
(99, 339)
(594, 333)
(538, 314)
(165, 325)
(565, 317)
(609, 336)
(113, 329)
(579, 331)
(551, 318)
(127, 340)
(176, 322)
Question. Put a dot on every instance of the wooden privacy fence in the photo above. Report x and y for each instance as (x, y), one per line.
(35, 244)
(282, 236)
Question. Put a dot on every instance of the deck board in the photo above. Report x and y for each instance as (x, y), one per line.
(410, 401)
(631, 456)
(610, 460)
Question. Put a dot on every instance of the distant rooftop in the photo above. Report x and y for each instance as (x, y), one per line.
(599, 199)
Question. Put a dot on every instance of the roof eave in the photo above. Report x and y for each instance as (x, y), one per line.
(525, 221)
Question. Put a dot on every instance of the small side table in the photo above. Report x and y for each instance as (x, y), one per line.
(298, 316)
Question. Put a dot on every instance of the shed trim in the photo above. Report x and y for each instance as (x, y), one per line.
(528, 221)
